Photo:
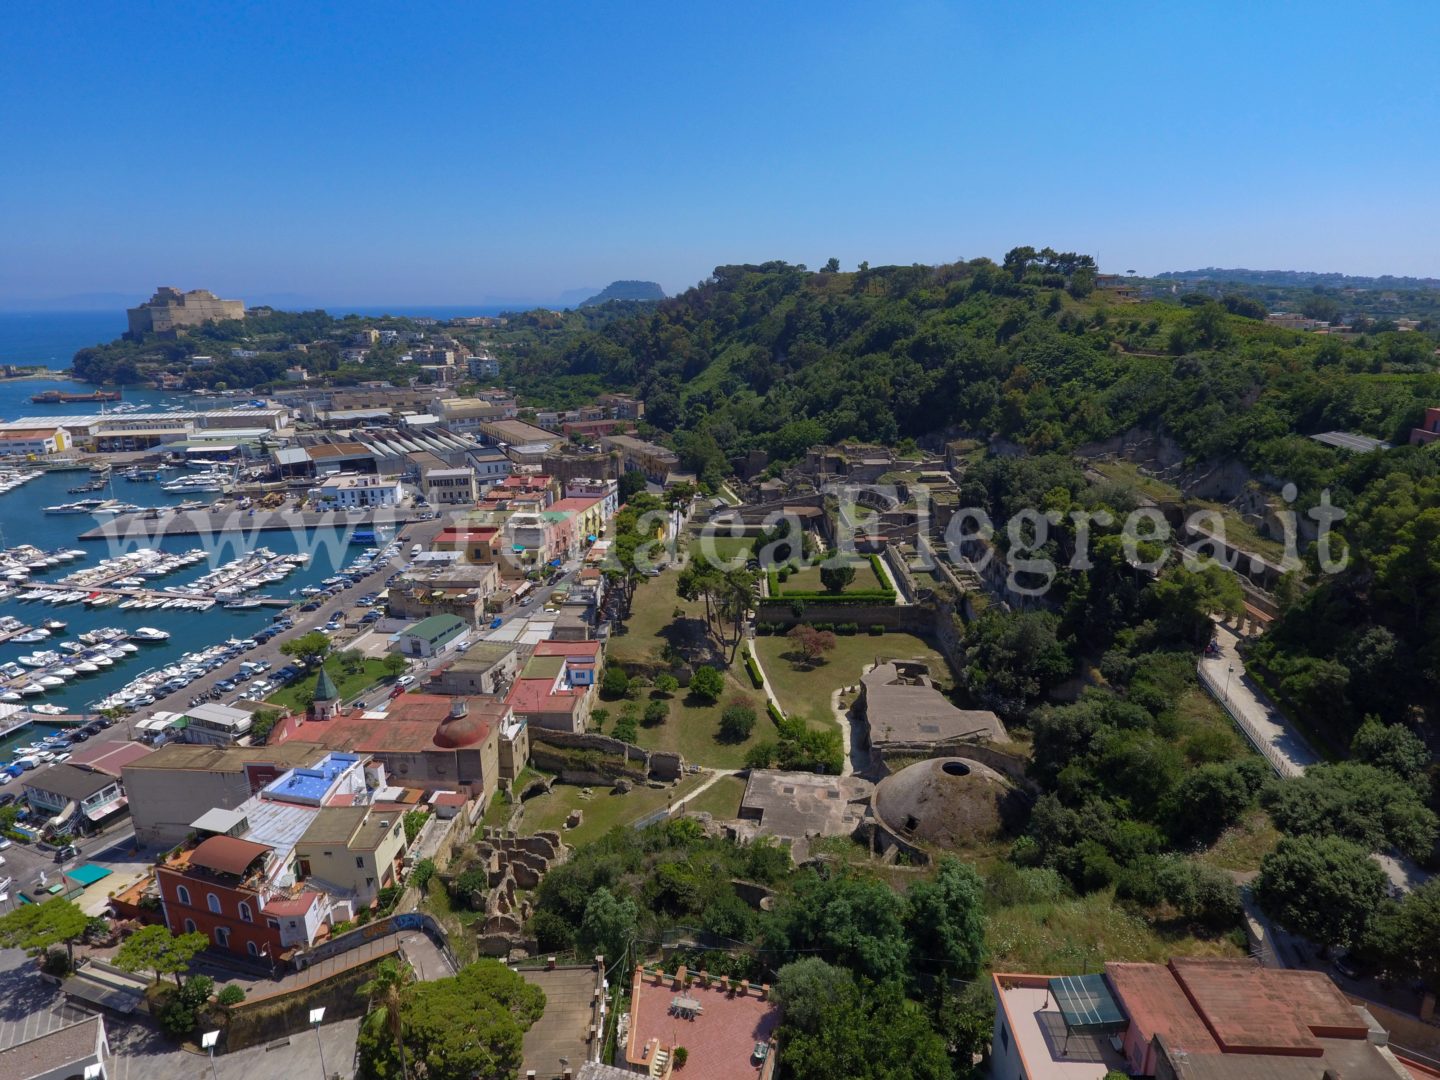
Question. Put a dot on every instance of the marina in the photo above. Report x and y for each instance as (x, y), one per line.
(178, 604)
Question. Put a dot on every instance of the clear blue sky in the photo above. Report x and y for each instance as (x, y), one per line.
(366, 153)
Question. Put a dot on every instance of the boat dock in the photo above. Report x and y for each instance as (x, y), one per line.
(227, 583)
(140, 526)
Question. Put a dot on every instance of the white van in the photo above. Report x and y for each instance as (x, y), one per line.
(415, 550)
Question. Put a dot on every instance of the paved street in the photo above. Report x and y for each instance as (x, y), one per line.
(1267, 726)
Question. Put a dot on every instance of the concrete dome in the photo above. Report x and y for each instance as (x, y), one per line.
(945, 803)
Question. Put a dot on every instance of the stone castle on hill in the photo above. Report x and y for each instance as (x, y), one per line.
(170, 310)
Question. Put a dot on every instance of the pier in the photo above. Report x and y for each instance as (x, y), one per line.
(142, 526)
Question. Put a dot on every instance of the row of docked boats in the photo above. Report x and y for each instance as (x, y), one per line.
(133, 568)
(44, 670)
(10, 479)
(93, 506)
(154, 685)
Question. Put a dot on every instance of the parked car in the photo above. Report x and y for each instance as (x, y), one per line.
(405, 680)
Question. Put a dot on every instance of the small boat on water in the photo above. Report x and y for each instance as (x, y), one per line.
(55, 625)
(149, 633)
(48, 710)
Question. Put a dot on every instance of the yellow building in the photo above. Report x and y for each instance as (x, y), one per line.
(352, 851)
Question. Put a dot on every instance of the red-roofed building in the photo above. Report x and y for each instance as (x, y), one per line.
(109, 757)
(1192, 1019)
(477, 543)
(556, 688)
(426, 741)
(726, 1036)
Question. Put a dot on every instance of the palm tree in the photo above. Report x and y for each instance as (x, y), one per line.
(386, 994)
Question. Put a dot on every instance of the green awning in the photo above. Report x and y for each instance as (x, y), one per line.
(1088, 1006)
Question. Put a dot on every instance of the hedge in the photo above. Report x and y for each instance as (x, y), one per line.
(877, 629)
(754, 670)
(775, 713)
(887, 597)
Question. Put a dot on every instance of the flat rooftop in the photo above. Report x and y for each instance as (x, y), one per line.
(1035, 1022)
(791, 804)
(562, 1032)
(720, 1035)
(313, 783)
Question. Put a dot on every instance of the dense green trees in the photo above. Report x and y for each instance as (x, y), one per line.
(457, 1028)
(156, 949)
(1324, 887)
(1363, 803)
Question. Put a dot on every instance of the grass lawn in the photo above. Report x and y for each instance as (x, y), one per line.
(602, 811)
(367, 675)
(808, 580)
(1073, 937)
(721, 799)
(651, 612)
(691, 726)
(727, 549)
(1241, 847)
(806, 691)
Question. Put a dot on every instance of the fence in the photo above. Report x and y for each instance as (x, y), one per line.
(1282, 767)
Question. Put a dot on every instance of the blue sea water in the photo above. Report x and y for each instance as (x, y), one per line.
(36, 339)
(52, 338)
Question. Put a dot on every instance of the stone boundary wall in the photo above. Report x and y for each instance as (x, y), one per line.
(661, 764)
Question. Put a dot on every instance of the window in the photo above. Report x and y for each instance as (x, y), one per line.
(252, 948)
(369, 881)
(245, 914)
(182, 894)
(222, 936)
(1005, 1036)
(273, 923)
(359, 862)
(190, 926)
(212, 902)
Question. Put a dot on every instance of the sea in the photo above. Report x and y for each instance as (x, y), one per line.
(52, 338)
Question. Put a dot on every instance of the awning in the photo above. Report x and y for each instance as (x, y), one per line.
(108, 808)
(1087, 1004)
(590, 538)
(554, 562)
(518, 549)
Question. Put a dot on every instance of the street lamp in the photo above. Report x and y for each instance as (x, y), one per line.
(207, 1042)
(1229, 669)
(317, 1015)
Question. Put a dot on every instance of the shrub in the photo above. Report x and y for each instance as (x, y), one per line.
(737, 722)
(707, 683)
(231, 995)
(753, 670)
(847, 628)
(827, 626)
(877, 629)
(615, 683)
(681, 1056)
(626, 729)
(655, 713)
(423, 872)
(775, 713)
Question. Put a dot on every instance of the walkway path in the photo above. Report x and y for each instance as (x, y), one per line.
(716, 776)
(1272, 733)
(1257, 717)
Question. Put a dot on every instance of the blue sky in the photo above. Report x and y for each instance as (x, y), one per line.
(450, 154)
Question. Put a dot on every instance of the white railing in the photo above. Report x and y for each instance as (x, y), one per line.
(1282, 766)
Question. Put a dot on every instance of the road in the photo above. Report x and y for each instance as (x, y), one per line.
(1267, 727)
